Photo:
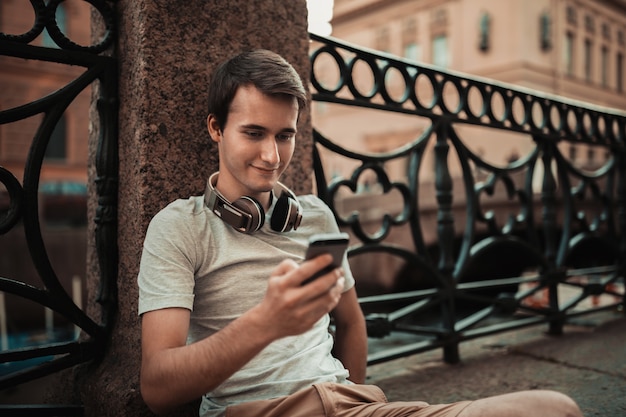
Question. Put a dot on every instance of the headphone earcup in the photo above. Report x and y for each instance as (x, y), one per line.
(246, 215)
(255, 209)
(286, 215)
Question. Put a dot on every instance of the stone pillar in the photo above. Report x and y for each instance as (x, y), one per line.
(166, 50)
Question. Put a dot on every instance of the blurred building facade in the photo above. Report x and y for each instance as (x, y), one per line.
(570, 48)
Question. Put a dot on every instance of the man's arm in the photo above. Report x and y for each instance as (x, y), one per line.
(173, 373)
(351, 336)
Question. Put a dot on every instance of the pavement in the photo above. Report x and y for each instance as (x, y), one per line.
(587, 362)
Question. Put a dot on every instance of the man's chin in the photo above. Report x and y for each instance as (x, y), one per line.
(264, 185)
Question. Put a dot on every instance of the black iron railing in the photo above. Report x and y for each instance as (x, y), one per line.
(22, 210)
(545, 253)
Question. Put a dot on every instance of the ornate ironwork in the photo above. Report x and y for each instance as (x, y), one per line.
(100, 72)
(570, 234)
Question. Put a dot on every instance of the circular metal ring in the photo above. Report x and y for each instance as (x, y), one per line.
(16, 193)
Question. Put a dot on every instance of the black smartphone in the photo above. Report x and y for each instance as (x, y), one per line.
(333, 243)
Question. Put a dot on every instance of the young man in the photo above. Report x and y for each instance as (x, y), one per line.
(224, 313)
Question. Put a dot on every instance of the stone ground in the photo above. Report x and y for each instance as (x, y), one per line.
(587, 362)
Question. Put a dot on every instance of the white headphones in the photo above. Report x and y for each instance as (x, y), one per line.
(246, 214)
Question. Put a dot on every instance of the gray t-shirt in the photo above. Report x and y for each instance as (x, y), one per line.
(192, 259)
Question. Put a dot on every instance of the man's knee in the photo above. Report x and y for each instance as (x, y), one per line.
(543, 403)
(550, 403)
(565, 404)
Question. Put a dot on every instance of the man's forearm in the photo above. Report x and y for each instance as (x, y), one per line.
(351, 349)
(351, 336)
(178, 375)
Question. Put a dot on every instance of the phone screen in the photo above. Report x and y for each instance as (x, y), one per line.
(333, 243)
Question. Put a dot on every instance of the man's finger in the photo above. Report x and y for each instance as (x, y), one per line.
(313, 266)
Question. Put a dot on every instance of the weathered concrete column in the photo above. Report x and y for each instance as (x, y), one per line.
(167, 49)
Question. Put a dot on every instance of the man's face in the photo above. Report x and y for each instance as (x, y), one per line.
(256, 145)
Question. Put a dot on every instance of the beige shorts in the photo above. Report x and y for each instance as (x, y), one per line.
(339, 400)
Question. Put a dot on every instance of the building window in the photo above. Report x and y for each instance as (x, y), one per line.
(413, 51)
(409, 31)
(57, 149)
(484, 31)
(545, 32)
(439, 19)
(606, 31)
(571, 15)
(590, 25)
(588, 58)
(439, 45)
(619, 72)
(411, 48)
(382, 40)
(440, 51)
(604, 70)
(61, 23)
(568, 53)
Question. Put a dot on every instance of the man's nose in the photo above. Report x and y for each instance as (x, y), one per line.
(269, 151)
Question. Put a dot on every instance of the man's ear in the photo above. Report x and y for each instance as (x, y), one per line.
(214, 128)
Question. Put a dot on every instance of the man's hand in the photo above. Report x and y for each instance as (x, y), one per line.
(289, 308)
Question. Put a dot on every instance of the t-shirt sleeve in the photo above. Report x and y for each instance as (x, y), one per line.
(166, 271)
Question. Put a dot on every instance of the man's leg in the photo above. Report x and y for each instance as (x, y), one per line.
(523, 403)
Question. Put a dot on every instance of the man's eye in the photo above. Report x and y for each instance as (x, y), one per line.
(285, 137)
(254, 134)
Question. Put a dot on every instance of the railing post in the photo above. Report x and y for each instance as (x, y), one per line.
(621, 207)
(445, 232)
(548, 200)
(107, 165)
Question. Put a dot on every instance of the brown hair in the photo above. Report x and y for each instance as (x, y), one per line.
(266, 70)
